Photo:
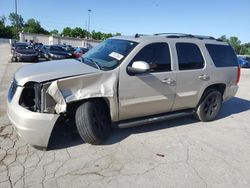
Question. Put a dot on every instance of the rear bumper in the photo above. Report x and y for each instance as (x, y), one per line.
(35, 128)
(27, 58)
(230, 92)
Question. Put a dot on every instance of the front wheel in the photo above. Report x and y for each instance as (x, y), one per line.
(209, 107)
(93, 121)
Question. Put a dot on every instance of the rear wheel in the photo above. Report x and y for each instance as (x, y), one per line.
(210, 106)
(93, 121)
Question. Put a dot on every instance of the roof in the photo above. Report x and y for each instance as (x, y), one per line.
(171, 36)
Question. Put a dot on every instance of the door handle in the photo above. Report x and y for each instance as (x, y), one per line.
(168, 81)
(204, 77)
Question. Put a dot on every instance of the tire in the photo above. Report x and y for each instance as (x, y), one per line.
(93, 121)
(13, 59)
(209, 106)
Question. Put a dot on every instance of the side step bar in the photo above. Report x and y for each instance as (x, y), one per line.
(153, 119)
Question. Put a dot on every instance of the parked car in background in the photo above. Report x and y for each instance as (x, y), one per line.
(244, 61)
(42, 51)
(79, 51)
(23, 52)
(14, 44)
(55, 52)
(38, 47)
(68, 48)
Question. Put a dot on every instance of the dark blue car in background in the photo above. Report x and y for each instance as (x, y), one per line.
(244, 61)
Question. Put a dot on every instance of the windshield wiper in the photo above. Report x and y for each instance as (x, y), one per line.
(92, 61)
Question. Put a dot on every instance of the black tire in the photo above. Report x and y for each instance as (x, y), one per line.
(209, 106)
(13, 59)
(93, 121)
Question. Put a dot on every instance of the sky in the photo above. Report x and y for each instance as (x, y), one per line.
(203, 17)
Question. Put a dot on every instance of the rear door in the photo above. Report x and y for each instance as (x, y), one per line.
(148, 93)
(192, 75)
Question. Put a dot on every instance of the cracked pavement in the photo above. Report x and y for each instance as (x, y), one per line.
(177, 153)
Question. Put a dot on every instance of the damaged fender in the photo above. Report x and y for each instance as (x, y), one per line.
(97, 85)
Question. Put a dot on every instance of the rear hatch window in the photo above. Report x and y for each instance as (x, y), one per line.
(222, 55)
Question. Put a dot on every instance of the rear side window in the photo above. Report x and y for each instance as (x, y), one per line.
(157, 55)
(189, 56)
(222, 55)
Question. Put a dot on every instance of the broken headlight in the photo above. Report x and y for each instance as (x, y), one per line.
(31, 96)
(35, 98)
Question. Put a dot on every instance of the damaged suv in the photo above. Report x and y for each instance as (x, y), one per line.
(124, 81)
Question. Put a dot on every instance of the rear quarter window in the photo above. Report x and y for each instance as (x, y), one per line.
(222, 55)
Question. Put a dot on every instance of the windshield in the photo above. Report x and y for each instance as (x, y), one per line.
(57, 48)
(109, 54)
(24, 47)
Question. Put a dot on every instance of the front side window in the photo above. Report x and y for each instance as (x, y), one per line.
(157, 55)
(189, 56)
(108, 54)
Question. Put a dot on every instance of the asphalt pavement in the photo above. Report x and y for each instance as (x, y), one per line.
(178, 153)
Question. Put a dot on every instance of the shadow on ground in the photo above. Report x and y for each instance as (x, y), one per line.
(234, 106)
(64, 136)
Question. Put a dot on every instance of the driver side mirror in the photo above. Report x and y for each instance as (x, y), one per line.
(139, 67)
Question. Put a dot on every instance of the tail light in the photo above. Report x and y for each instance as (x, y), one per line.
(238, 75)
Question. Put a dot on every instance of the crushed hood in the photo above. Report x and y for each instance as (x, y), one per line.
(45, 71)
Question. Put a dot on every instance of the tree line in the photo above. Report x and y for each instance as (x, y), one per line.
(34, 26)
(239, 47)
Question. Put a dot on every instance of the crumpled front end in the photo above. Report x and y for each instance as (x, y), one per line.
(35, 107)
(24, 113)
(97, 85)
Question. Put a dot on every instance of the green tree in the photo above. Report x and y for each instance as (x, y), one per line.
(66, 32)
(78, 32)
(6, 31)
(16, 22)
(33, 26)
(235, 43)
(107, 35)
(117, 34)
(2, 26)
(96, 35)
(54, 32)
(223, 38)
(13, 17)
(101, 36)
(2, 20)
(243, 49)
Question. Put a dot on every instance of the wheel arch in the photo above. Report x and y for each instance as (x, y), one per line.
(221, 87)
(111, 104)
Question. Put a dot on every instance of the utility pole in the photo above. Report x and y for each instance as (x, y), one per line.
(16, 19)
(89, 11)
(86, 36)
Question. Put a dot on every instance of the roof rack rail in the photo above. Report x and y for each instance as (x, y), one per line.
(204, 37)
(179, 35)
(174, 34)
(137, 35)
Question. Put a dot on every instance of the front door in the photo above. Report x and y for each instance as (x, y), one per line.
(148, 93)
